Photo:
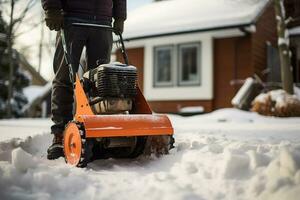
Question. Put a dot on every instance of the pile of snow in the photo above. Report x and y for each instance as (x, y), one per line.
(277, 103)
(192, 109)
(22, 160)
(187, 15)
(228, 154)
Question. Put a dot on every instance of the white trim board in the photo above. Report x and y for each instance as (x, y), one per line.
(228, 33)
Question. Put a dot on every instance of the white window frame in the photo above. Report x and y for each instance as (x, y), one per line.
(155, 72)
(180, 66)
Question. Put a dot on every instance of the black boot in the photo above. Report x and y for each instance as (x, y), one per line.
(56, 149)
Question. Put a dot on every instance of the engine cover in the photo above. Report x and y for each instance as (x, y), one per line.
(114, 80)
(115, 85)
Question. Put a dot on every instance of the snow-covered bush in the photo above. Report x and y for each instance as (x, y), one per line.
(277, 103)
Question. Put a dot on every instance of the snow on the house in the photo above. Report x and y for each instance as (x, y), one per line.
(228, 154)
(294, 31)
(187, 15)
(35, 91)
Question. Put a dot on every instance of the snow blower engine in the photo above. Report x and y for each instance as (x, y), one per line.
(111, 88)
(112, 117)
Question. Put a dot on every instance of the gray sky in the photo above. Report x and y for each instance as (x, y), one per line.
(132, 4)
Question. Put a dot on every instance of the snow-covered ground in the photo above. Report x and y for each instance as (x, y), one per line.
(228, 154)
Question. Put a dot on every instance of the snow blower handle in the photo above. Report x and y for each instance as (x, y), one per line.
(65, 48)
(118, 33)
(67, 57)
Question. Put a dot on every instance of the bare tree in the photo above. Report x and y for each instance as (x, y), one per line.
(11, 62)
(284, 47)
(41, 49)
(13, 25)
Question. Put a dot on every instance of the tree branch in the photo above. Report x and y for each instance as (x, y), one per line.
(20, 19)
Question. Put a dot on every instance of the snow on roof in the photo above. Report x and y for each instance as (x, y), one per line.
(34, 91)
(294, 31)
(174, 16)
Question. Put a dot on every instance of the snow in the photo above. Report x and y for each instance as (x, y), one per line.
(227, 154)
(192, 109)
(21, 160)
(22, 128)
(297, 91)
(282, 9)
(35, 91)
(283, 41)
(279, 97)
(262, 98)
(294, 31)
(187, 15)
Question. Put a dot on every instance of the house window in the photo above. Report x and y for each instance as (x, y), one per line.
(189, 64)
(163, 62)
(185, 72)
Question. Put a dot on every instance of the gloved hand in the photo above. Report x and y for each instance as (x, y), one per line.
(119, 25)
(54, 19)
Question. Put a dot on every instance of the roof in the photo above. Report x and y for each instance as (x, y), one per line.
(25, 65)
(35, 95)
(34, 92)
(178, 16)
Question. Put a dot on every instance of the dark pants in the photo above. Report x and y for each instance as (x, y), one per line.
(98, 43)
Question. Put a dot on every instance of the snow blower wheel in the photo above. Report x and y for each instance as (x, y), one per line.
(74, 144)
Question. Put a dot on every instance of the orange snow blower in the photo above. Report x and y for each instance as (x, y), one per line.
(112, 118)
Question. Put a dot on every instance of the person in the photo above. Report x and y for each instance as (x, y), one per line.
(60, 14)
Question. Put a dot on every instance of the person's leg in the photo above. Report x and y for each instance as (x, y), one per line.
(62, 88)
(61, 105)
(99, 45)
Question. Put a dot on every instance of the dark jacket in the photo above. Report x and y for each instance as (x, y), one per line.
(93, 9)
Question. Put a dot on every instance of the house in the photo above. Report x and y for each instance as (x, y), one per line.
(190, 53)
(38, 93)
(35, 77)
(293, 12)
(39, 101)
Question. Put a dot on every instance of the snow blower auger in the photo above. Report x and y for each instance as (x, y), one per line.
(112, 118)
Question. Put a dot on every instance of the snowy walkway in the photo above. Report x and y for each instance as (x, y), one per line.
(228, 154)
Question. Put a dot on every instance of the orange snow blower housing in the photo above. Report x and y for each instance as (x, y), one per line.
(112, 117)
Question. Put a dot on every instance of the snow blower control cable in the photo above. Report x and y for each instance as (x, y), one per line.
(67, 56)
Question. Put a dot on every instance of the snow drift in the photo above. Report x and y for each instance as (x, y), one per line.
(228, 154)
